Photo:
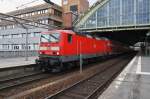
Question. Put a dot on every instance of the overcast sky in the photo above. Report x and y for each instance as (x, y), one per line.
(10, 5)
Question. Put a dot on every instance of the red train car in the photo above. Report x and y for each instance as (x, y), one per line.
(63, 46)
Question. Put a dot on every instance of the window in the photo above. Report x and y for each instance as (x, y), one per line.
(74, 8)
(23, 35)
(6, 36)
(33, 13)
(16, 47)
(46, 21)
(69, 38)
(6, 46)
(27, 14)
(39, 12)
(56, 23)
(42, 21)
(10, 26)
(65, 2)
(46, 11)
(32, 35)
(13, 26)
(30, 47)
(29, 34)
(16, 35)
(22, 15)
(37, 34)
(30, 14)
(57, 13)
(36, 24)
(18, 16)
(1, 47)
(4, 27)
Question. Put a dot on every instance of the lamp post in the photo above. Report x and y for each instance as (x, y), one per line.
(26, 47)
(81, 60)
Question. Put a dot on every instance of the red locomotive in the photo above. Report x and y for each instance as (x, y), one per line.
(64, 46)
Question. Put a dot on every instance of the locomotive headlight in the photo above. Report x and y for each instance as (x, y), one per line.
(40, 52)
(57, 53)
(108, 44)
(56, 48)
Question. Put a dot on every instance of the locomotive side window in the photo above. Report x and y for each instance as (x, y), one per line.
(69, 38)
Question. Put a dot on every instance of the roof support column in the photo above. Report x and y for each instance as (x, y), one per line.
(134, 12)
(96, 20)
(108, 15)
(149, 14)
(120, 12)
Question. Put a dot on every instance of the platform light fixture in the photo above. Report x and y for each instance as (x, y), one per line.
(148, 34)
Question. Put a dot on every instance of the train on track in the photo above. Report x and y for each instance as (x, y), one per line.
(59, 47)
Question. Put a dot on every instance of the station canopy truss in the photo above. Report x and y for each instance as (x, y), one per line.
(116, 15)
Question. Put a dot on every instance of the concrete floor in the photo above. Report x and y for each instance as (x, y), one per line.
(14, 62)
(132, 83)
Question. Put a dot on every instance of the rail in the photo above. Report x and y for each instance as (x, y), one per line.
(90, 88)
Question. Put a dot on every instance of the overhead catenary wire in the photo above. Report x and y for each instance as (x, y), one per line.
(5, 16)
(26, 4)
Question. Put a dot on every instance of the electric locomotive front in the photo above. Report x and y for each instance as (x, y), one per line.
(49, 49)
(50, 44)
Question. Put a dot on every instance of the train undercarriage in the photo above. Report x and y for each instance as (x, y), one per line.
(60, 63)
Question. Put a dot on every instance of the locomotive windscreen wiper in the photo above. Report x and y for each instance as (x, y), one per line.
(46, 37)
(50, 37)
(53, 36)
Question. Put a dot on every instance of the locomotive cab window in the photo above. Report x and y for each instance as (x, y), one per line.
(54, 37)
(69, 38)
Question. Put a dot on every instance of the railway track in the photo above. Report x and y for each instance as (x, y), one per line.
(92, 87)
(15, 76)
(23, 79)
(38, 85)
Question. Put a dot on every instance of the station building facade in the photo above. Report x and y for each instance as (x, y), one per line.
(13, 36)
(72, 10)
(76, 6)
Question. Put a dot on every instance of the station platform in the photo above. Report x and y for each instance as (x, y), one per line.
(133, 82)
(14, 62)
